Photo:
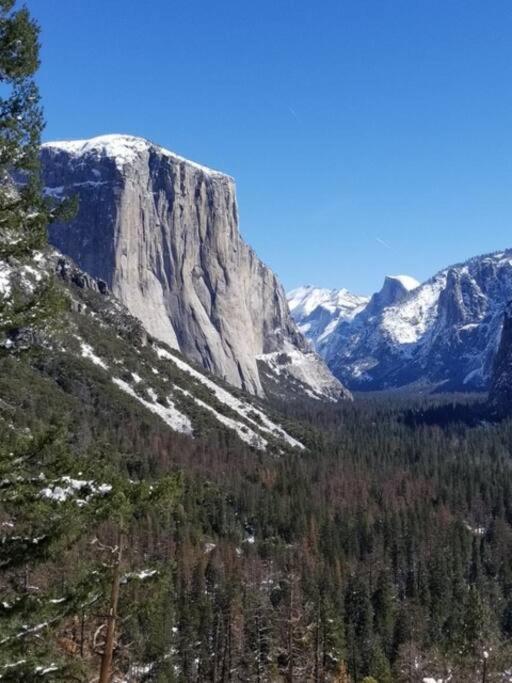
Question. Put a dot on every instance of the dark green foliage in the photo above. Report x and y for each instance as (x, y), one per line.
(383, 545)
(41, 518)
(23, 212)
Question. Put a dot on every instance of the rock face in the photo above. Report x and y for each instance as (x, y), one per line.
(162, 232)
(442, 334)
(500, 394)
(394, 290)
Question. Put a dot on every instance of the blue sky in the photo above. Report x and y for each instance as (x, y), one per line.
(366, 137)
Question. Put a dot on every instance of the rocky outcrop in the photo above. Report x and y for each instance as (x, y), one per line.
(500, 394)
(162, 232)
(394, 290)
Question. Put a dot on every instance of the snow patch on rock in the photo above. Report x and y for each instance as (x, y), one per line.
(304, 368)
(406, 281)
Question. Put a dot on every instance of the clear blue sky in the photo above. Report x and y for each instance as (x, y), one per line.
(366, 136)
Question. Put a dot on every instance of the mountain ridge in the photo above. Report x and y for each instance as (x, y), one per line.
(442, 334)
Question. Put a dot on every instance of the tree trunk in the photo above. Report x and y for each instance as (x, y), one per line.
(82, 633)
(106, 660)
(317, 647)
(289, 673)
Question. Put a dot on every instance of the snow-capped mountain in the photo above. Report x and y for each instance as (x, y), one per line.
(441, 334)
(394, 290)
(317, 311)
(163, 233)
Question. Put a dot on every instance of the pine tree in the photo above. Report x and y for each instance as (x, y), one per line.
(42, 513)
(358, 618)
(24, 210)
(384, 611)
(259, 636)
(128, 500)
(379, 664)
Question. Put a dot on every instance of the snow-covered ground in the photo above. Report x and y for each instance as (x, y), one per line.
(244, 432)
(80, 490)
(87, 352)
(5, 279)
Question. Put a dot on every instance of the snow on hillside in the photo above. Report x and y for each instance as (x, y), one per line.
(250, 428)
(317, 310)
(407, 322)
(244, 432)
(248, 411)
(90, 336)
(406, 281)
(169, 413)
(443, 332)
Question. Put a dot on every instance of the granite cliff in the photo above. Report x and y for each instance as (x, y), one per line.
(163, 233)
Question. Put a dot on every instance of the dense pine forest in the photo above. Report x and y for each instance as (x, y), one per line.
(382, 552)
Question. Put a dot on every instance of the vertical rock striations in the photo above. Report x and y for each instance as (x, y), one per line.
(500, 394)
(163, 233)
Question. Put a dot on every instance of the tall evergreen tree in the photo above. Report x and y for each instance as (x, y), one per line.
(42, 513)
(23, 210)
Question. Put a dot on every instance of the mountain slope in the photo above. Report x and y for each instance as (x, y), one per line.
(99, 353)
(162, 232)
(500, 393)
(317, 310)
(442, 334)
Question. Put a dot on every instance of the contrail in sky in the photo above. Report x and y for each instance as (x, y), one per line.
(384, 244)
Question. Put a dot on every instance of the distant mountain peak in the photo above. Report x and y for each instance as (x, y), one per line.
(442, 333)
(317, 310)
(406, 281)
